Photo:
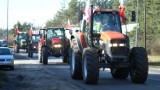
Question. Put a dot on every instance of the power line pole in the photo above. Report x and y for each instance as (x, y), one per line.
(137, 24)
(145, 26)
(7, 17)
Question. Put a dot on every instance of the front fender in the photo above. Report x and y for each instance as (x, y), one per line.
(80, 40)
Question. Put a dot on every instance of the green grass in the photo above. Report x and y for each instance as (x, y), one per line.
(154, 61)
(2, 77)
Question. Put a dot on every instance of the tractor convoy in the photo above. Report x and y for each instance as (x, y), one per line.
(98, 44)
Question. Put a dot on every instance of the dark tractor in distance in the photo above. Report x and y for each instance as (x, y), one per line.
(53, 43)
(33, 44)
(21, 40)
(101, 44)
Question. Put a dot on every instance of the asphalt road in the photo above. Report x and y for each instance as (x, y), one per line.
(106, 82)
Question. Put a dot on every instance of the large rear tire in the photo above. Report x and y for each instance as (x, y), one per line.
(139, 70)
(75, 58)
(120, 73)
(44, 55)
(90, 66)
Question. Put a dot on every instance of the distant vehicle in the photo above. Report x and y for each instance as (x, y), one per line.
(33, 44)
(53, 43)
(21, 40)
(3, 43)
(6, 58)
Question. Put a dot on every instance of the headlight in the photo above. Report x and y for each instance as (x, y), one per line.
(57, 45)
(122, 44)
(114, 44)
(117, 45)
(34, 47)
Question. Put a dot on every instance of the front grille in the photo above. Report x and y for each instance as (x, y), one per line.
(122, 51)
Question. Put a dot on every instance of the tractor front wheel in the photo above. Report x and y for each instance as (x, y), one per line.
(139, 60)
(90, 68)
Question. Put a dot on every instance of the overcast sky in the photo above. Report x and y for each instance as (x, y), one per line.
(31, 11)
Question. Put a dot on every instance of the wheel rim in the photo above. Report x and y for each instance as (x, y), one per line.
(85, 68)
(73, 61)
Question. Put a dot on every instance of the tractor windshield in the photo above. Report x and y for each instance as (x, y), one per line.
(23, 36)
(35, 38)
(55, 33)
(106, 21)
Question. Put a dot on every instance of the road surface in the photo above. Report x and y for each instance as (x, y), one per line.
(29, 74)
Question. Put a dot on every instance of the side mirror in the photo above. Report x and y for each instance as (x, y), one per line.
(133, 16)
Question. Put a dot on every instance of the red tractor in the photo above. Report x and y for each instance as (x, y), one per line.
(53, 43)
(101, 44)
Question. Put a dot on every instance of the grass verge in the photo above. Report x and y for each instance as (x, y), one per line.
(154, 61)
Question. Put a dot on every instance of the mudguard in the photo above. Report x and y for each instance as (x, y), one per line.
(81, 42)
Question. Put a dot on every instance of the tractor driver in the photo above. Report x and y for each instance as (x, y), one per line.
(108, 23)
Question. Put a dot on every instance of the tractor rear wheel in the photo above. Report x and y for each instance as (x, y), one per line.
(31, 54)
(65, 56)
(139, 60)
(65, 59)
(44, 55)
(75, 58)
(120, 73)
(90, 66)
(17, 48)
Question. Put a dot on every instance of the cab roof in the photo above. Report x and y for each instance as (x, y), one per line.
(105, 10)
(52, 28)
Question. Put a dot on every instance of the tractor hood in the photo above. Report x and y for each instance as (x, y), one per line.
(56, 40)
(110, 35)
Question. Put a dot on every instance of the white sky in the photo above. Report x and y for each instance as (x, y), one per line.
(34, 11)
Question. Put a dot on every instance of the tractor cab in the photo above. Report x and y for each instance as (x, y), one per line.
(106, 21)
(35, 38)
